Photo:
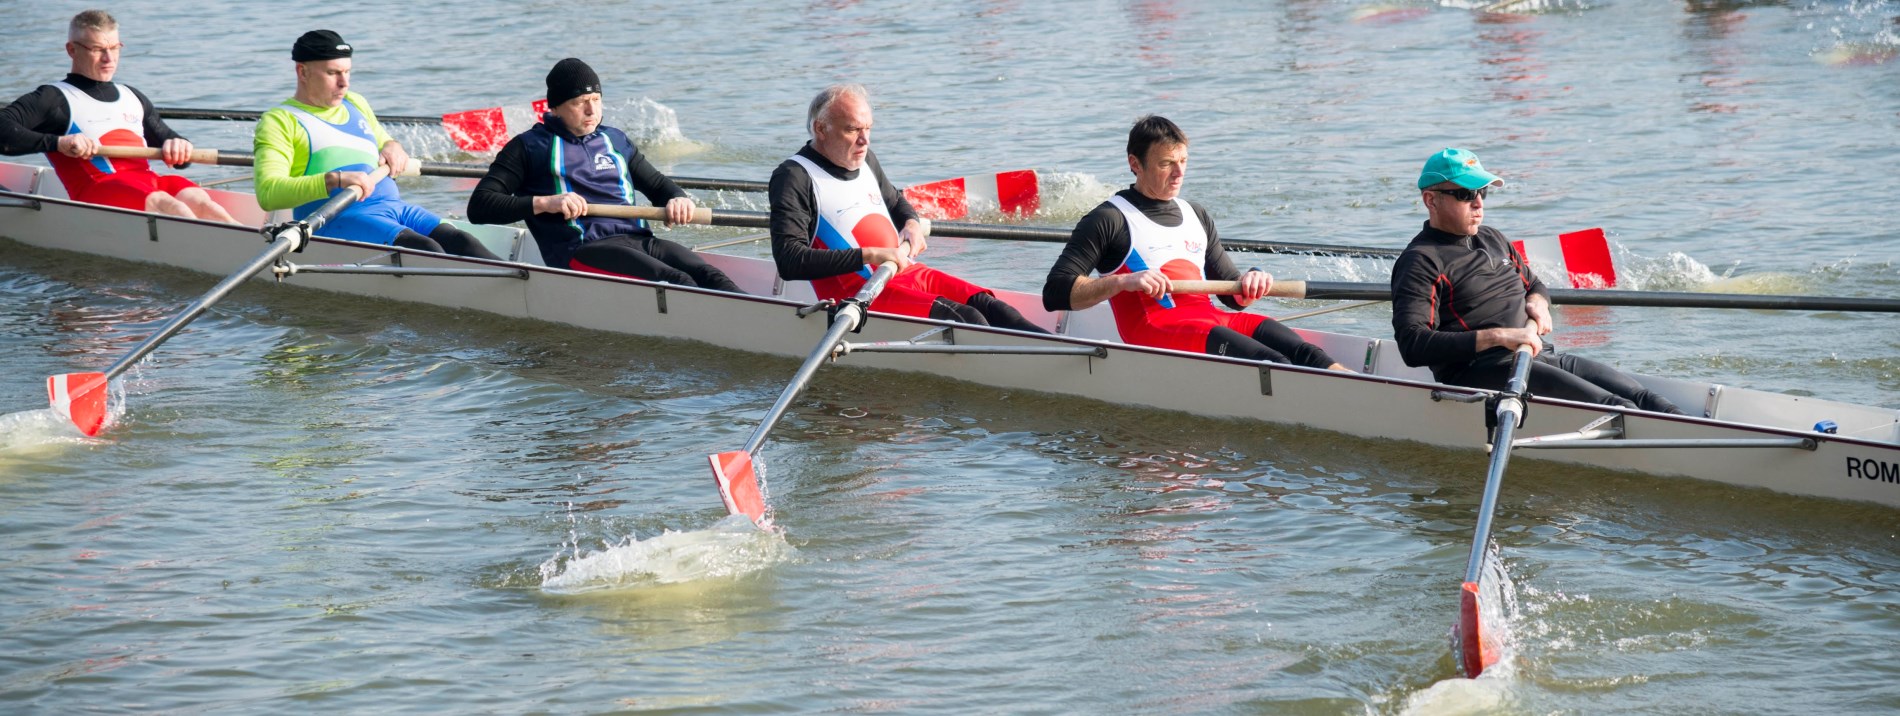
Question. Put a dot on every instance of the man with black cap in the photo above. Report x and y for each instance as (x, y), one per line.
(835, 216)
(548, 175)
(325, 139)
(1463, 300)
(71, 119)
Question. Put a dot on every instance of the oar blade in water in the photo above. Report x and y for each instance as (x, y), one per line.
(81, 398)
(1475, 650)
(738, 484)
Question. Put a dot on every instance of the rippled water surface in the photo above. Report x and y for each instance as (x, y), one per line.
(318, 503)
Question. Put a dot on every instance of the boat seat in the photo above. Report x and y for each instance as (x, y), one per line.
(1386, 361)
(1760, 407)
(21, 178)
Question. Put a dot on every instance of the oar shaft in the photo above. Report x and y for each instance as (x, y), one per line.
(846, 321)
(1288, 288)
(280, 244)
(198, 156)
(242, 115)
(1508, 411)
(701, 215)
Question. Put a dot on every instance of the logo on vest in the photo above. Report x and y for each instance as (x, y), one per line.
(362, 125)
(603, 160)
(1194, 246)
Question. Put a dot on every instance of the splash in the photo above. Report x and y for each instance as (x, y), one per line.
(1066, 196)
(29, 431)
(732, 547)
(1491, 691)
(656, 128)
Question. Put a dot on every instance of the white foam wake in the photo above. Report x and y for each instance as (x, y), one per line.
(730, 548)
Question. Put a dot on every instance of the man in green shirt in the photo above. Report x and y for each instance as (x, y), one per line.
(325, 139)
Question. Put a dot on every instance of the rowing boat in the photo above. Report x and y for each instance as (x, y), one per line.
(1742, 437)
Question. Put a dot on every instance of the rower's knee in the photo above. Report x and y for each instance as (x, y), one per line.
(944, 309)
(159, 202)
(205, 207)
(1224, 341)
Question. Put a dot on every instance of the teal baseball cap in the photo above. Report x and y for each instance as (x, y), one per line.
(1457, 166)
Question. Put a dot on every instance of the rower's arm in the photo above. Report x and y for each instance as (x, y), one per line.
(30, 125)
(1100, 234)
(275, 170)
(647, 180)
(157, 132)
(497, 198)
(1216, 264)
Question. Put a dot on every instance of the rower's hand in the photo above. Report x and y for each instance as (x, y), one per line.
(913, 234)
(78, 146)
(1255, 284)
(360, 180)
(570, 205)
(877, 256)
(395, 157)
(1538, 308)
(1510, 338)
(1150, 283)
(679, 210)
(176, 152)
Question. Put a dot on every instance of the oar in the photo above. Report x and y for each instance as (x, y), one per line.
(416, 167)
(734, 471)
(1565, 296)
(1476, 651)
(81, 397)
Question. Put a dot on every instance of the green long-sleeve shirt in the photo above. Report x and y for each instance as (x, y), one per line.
(282, 151)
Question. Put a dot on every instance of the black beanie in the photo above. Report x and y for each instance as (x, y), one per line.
(570, 78)
(319, 45)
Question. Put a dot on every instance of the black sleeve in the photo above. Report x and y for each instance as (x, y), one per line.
(1414, 323)
(901, 210)
(793, 213)
(657, 187)
(494, 200)
(1101, 236)
(157, 132)
(34, 123)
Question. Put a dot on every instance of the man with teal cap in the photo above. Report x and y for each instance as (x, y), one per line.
(1462, 300)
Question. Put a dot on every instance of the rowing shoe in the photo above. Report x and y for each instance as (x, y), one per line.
(81, 397)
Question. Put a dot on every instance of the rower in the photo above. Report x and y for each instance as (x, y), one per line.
(548, 175)
(1462, 299)
(1145, 236)
(71, 119)
(835, 216)
(325, 139)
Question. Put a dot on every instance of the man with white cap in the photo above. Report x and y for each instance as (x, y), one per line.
(1463, 300)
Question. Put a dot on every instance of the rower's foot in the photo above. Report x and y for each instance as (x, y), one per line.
(1340, 368)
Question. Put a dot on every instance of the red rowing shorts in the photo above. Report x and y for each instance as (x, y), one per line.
(128, 189)
(1184, 327)
(912, 290)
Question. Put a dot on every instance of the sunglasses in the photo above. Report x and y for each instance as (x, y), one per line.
(1463, 194)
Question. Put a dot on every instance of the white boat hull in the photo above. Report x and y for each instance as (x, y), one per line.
(1862, 464)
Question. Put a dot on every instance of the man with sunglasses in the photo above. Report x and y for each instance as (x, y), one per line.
(71, 119)
(1462, 299)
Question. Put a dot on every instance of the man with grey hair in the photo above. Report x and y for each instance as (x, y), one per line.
(835, 216)
(70, 120)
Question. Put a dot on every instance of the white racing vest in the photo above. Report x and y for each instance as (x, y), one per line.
(120, 124)
(850, 215)
(1177, 251)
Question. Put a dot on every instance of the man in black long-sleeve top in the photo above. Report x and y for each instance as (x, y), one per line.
(1145, 236)
(548, 175)
(1463, 300)
(70, 120)
(835, 217)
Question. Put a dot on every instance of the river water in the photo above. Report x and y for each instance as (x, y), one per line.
(318, 503)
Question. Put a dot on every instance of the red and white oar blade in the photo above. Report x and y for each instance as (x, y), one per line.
(1017, 193)
(488, 130)
(1584, 257)
(81, 398)
(1475, 650)
(738, 484)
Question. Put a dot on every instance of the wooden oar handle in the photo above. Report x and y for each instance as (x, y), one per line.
(701, 215)
(198, 156)
(1284, 288)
